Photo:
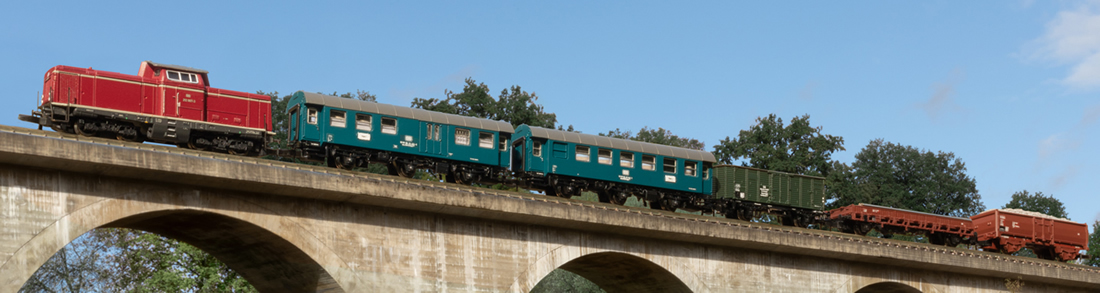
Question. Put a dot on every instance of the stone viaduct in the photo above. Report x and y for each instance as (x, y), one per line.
(297, 228)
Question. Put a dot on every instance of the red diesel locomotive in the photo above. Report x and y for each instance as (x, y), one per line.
(164, 103)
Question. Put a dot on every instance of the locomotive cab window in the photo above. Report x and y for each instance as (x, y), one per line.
(337, 118)
(603, 156)
(536, 148)
(582, 153)
(626, 160)
(182, 76)
(670, 165)
(462, 136)
(689, 168)
(389, 125)
(648, 162)
(485, 139)
(362, 122)
(312, 116)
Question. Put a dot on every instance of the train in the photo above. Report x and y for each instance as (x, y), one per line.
(174, 104)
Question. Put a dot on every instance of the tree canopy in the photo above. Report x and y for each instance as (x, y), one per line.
(1094, 246)
(1037, 202)
(904, 177)
(657, 136)
(514, 105)
(795, 148)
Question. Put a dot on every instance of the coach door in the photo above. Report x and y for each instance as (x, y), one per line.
(295, 120)
(430, 139)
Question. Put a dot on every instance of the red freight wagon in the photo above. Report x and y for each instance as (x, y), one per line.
(940, 229)
(163, 103)
(1049, 237)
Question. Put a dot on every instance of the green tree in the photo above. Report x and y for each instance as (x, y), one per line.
(514, 105)
(657, 136)
(907, 178)
(795, 148)
(1094, 246)
(1037, 202)
(562, 281)
(77, 267)
(126, 260)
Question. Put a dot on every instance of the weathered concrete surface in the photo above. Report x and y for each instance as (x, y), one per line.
(296, 228)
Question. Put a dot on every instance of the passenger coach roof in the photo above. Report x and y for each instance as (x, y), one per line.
(622, 144)
(405, 112)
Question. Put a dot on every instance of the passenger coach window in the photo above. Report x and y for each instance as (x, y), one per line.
(337, 118)
(670, 165)
(312, 113)
(485, 139)
(536, 149)
(362, 122)
(503, 144)
(626, 159)
(462, 136)
(603, 156)
(689, 168)
(583, 153)
(648, 162)
(389, 125)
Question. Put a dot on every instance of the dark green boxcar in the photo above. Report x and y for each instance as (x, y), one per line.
(770, 187)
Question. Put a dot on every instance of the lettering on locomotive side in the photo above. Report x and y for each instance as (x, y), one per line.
(189, 100)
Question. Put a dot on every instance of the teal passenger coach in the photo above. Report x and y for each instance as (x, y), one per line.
(348, 133)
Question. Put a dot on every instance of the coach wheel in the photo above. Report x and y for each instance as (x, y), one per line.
(619, 198)
(406, 170)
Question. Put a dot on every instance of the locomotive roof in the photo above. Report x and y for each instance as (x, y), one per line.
(177, 67)
(622, 144)
(406, 112)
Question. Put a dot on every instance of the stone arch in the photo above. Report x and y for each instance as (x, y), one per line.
(613, 271)
(257, 249)
(888, 287)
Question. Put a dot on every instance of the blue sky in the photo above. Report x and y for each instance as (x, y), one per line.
(1010, 87)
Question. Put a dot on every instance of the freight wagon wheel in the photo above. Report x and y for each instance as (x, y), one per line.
(953, 240)
(861, 228)
(937, 238)
(743, 214)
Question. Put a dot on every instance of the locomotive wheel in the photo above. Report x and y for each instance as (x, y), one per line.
(192, 145)
(79, 129)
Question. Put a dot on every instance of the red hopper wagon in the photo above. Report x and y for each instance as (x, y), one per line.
(1009, 231)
